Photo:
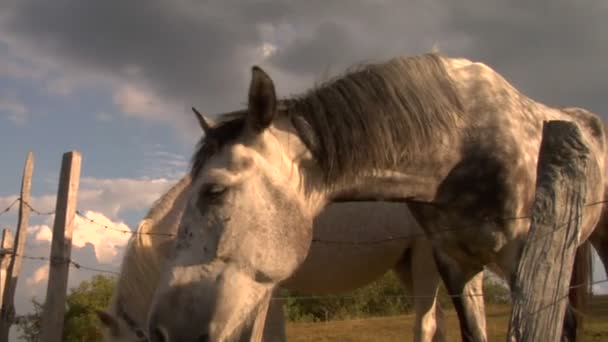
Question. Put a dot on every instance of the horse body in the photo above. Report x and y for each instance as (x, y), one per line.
(357, 256)
(449, 136)
(387, 237)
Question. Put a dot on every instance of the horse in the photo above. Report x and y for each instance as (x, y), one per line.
(387, 238)
(449, 136)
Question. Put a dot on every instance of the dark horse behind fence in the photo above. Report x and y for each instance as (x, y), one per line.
(449, 135)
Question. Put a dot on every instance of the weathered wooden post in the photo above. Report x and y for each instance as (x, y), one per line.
(543, 276)
(6, 254)
(7, 313)
(61, 247)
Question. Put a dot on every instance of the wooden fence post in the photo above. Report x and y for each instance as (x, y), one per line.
(6, 254)
(540, 291)
(61, 247)
(7, 313)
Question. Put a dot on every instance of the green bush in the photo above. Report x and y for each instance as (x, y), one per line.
(80, 321)
(383, 297)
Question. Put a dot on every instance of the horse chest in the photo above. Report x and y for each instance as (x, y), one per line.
(472, 202)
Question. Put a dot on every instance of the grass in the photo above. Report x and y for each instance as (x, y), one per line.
(399, 328)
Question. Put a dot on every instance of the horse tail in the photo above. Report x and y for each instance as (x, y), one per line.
(579, 292)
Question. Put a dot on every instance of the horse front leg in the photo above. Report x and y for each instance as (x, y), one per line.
(419, 275)
(465, 288)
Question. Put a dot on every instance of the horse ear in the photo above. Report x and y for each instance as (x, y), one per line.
(262, 100)
(108, 321)
(205, 122)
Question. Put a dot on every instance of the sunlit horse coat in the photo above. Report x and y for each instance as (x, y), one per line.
(450, 136)
(388, 238)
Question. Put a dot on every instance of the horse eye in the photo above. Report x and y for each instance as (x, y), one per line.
(140, 334)
(214, 192)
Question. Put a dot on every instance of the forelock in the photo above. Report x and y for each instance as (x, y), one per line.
(226, 131)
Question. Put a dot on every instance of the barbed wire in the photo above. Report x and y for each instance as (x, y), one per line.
(445, 230)
(405, 296)
(315, 240)
(71, 262)
(7, 209)
(80, 266)
(37, 212)
(124, 231)
(597, 282)
(377, 241)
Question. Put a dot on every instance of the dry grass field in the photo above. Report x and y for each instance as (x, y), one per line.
(399, 328)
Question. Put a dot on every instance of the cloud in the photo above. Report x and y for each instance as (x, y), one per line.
(107, 237)
(13, 109)
(110, 196)
(180, 53)
(103, 117)
(93, 246)
(41, 275)
(165, 164)
(101, 202)
(135, 101)
(108, 242)
(16, 69)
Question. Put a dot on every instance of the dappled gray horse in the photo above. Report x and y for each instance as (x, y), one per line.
(449, 136)
(387, 238)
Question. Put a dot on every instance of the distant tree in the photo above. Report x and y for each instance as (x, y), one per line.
(80, 322)
(29, 325)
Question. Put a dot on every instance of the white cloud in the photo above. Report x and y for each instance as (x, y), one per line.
(110, 196)
(107, 238)
(93, 246)
(108, 242)
(135, 101)
(40, 233)
(113, 196)
(40, 276)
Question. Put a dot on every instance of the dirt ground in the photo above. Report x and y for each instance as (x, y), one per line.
(399, 328)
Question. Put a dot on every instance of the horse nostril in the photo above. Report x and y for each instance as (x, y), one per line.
(160, 335)
(203, 338)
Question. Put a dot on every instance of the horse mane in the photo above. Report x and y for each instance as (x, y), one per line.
(141, 265)
(399, 107)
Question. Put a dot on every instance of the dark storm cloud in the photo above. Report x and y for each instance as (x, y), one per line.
(554, 50)
(183, 50)
(200, 52)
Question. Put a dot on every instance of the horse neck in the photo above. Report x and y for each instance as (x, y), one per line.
(419, 179)
(146, 252)
(166, 207)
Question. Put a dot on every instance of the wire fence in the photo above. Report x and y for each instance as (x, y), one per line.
(79, 266)
(315, 240)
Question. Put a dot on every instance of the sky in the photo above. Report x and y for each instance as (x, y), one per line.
(115, 81)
